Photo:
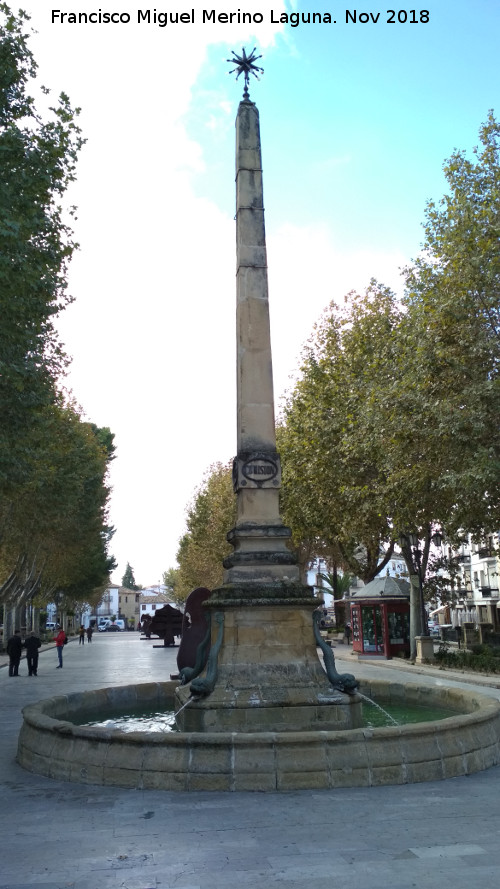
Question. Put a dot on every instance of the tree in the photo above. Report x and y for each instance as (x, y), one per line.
(128, 579)
(452, 349)
(458, 271)
(332, 457)
(54, 535)
(392, 425)
(37, 164)
(338, 584)
(204, 546)
(171, 581)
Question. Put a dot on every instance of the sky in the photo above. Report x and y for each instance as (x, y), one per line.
(357, 118)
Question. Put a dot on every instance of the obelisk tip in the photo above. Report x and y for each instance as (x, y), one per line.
(246, 65)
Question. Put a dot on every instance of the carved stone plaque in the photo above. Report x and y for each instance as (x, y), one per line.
(257, 470)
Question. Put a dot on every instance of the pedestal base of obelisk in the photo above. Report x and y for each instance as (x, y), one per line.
(269, 678)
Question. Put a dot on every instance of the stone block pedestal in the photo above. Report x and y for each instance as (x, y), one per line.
(269, 677)
(425, 649)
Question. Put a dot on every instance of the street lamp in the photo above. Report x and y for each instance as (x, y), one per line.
(437, 538)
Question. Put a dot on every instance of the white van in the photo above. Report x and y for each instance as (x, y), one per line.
(50, 625)
(118, 623)
(103, 625)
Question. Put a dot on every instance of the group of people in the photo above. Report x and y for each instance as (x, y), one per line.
(15, 647)
(32, 643)
(82, 632)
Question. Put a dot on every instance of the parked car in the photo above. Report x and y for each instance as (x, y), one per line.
(113, 628)
(50, 625)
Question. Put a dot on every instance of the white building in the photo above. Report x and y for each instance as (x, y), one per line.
(477, 586)
(108, 606)
(150, 602)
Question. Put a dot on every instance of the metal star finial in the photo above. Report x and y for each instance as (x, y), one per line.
(246, 65)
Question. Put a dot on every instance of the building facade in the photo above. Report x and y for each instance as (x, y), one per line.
(128, 606)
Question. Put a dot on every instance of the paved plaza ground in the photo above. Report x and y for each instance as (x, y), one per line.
(56, 835)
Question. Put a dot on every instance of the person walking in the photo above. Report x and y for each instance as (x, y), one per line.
(14, 649)
(347, 633)
(32, 644)
(81, 635)
(60, 641)
(89, 634)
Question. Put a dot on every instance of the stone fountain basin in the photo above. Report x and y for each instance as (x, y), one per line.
(51, 745)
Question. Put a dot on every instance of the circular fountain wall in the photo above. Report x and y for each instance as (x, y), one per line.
(51, 744)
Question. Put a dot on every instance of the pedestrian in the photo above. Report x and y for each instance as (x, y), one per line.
(347, 633)
(458, 633)
(14, 649)
(89, 634)
(32, 644)
(60, 641)
(81, 636)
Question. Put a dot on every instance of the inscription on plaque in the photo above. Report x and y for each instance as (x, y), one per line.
(256, 471)
(259, 470)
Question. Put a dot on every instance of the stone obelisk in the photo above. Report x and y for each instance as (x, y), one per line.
(263, 672)
(259, 538)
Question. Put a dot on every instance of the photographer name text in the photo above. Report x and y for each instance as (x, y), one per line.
(214, 17)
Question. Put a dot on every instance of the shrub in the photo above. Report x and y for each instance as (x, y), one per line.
(480, 659)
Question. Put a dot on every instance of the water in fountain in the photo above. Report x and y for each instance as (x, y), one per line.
(370, 701)
(151, 719)
(134, 720)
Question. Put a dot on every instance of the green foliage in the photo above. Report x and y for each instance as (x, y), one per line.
(460, 264)
(204, 546)
(54, 535)
(37, 162)
(338, 583)
(453, 349)
(332, 451)
(171, 580)
(485, 660)
(392, 425)
(128, 579)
